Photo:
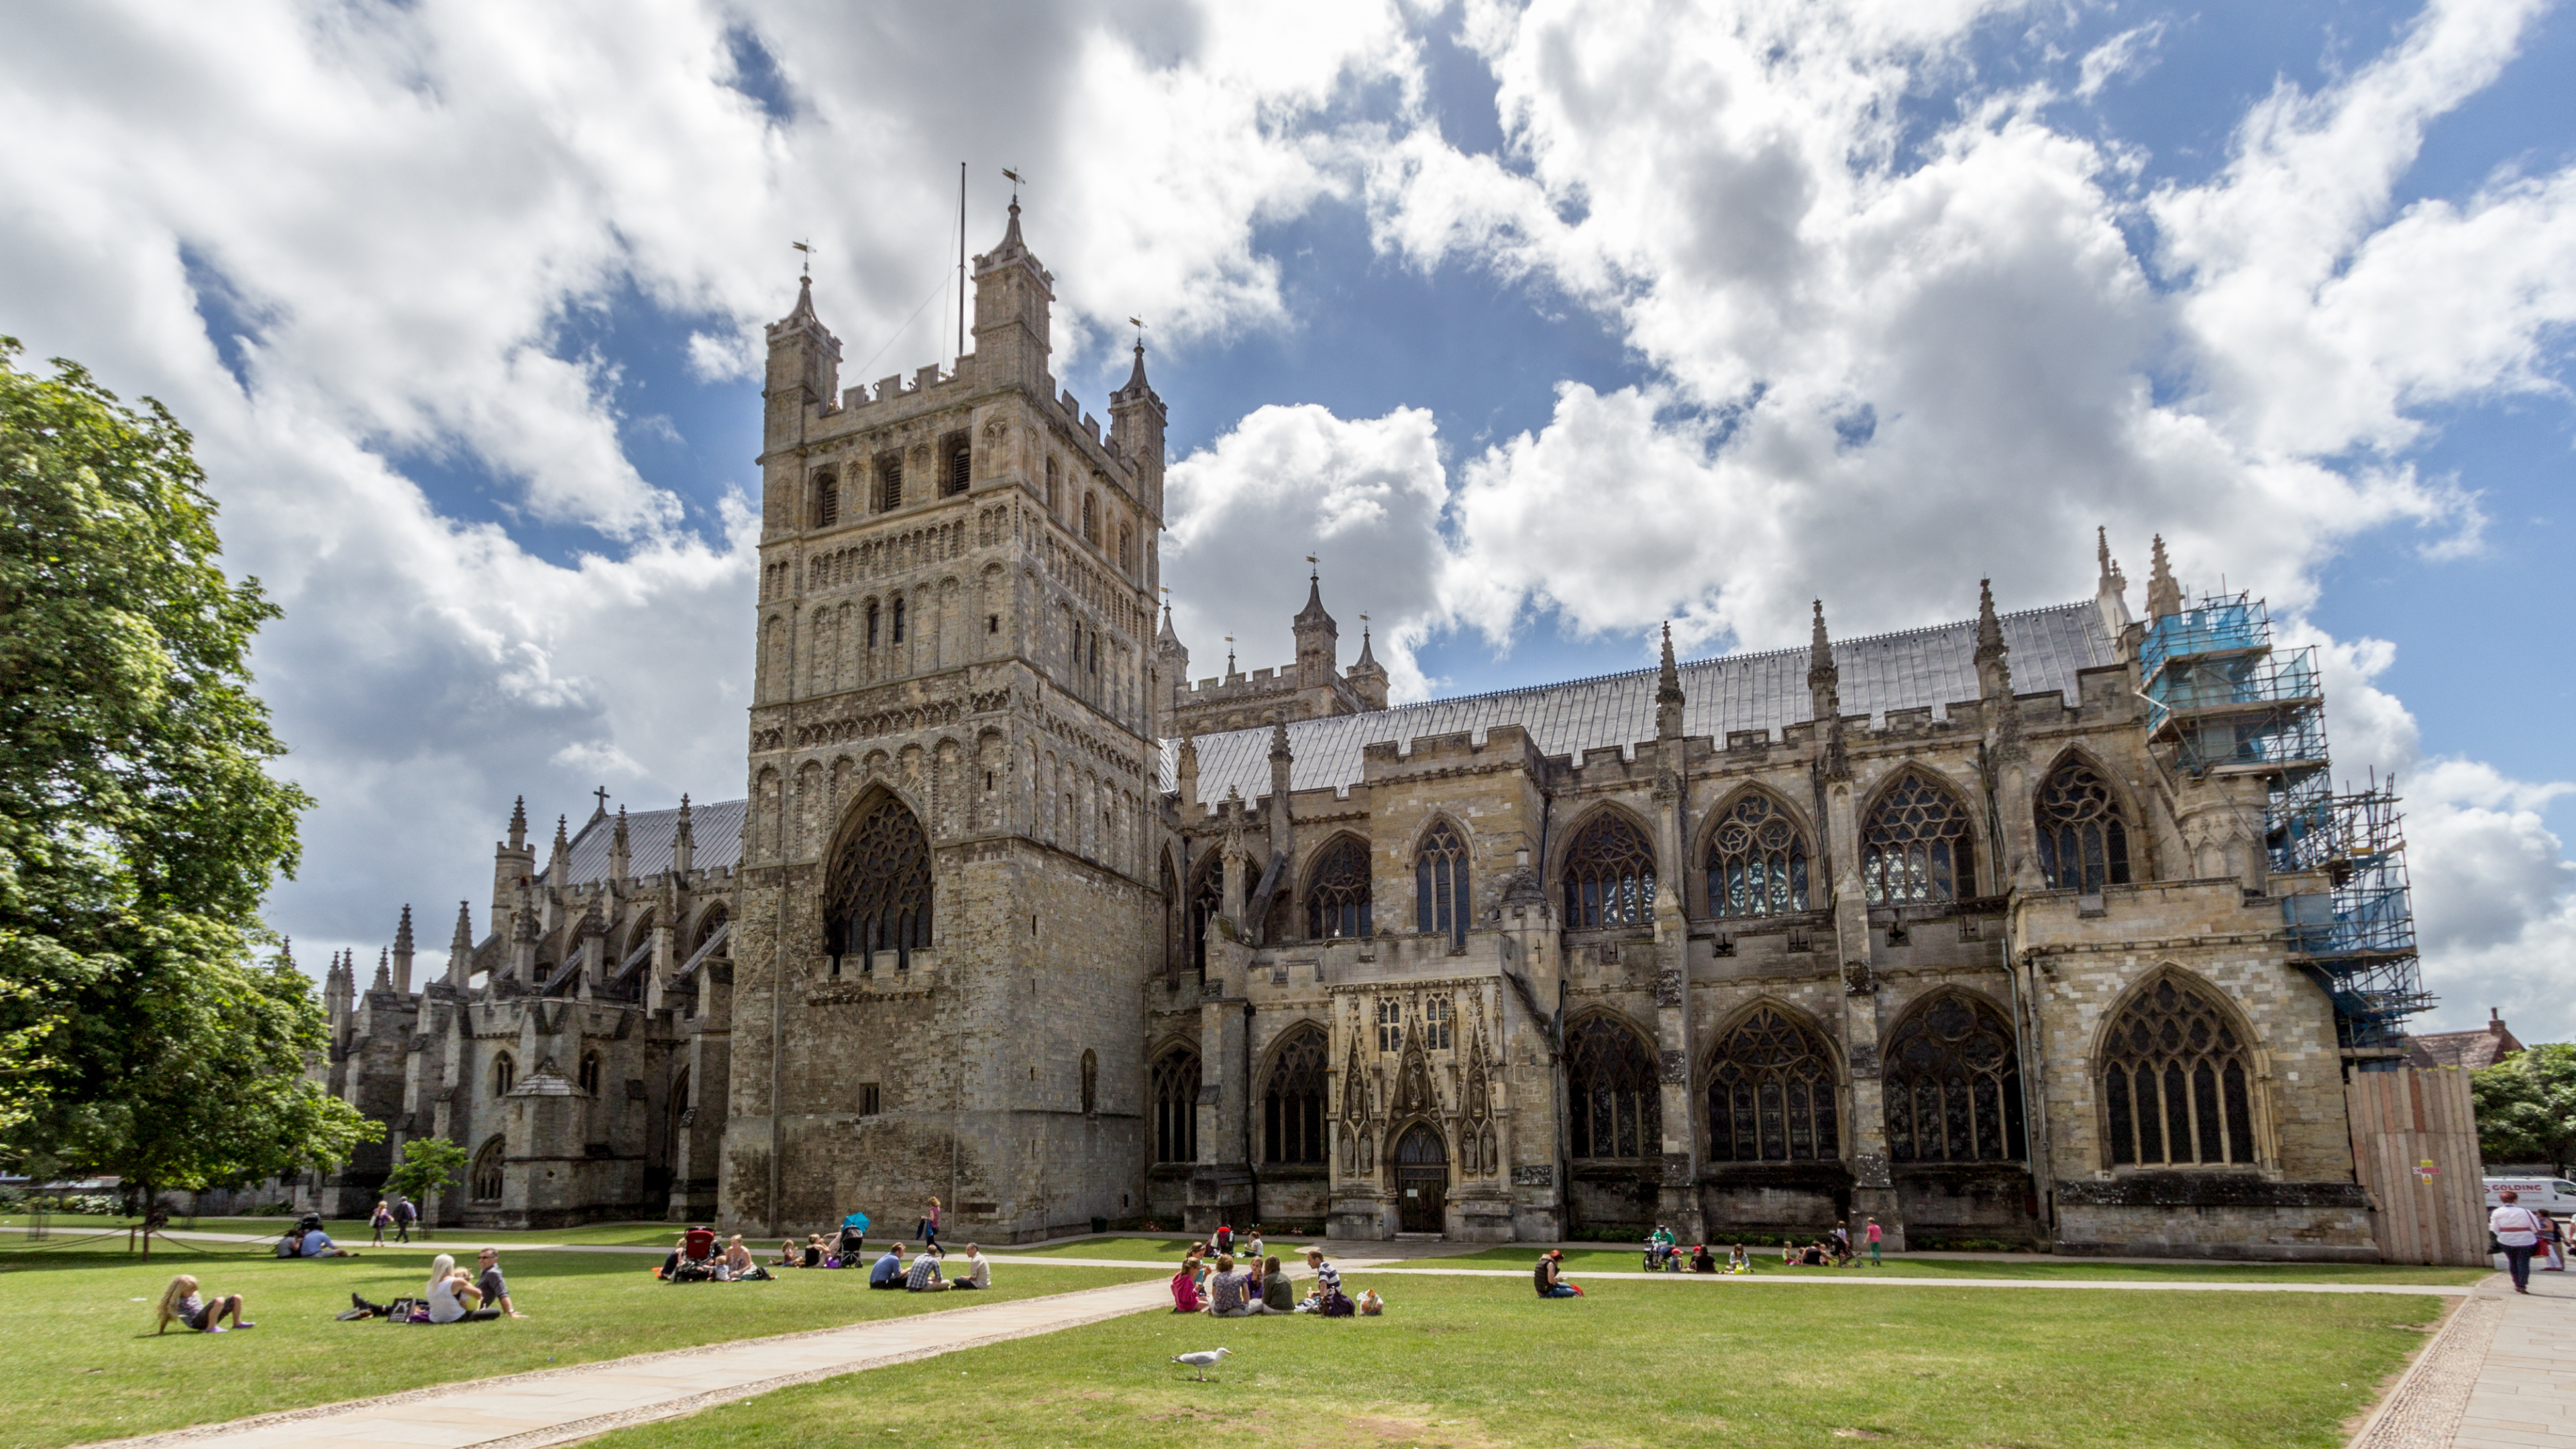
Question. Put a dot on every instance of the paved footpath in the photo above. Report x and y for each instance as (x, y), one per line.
(2500, 1375)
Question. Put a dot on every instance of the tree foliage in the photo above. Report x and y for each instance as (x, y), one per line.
(2526, 1106)
(428, 1165)
(139, 827)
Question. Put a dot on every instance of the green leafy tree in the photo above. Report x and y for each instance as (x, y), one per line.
(139, 827)
(2526, 1107)
(428, 1165)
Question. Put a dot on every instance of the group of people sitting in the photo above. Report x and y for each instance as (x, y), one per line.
(307, 1240)
(451, 1296)
(1664, 1255)
(697, 1259)
(928, 1273)
(1218, 1287)
(844, 1249)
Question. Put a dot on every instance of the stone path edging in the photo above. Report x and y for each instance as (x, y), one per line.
(2445, 1290)
(2423, 1409)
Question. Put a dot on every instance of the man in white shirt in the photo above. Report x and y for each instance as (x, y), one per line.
(978, 1274)
(2518, 1229)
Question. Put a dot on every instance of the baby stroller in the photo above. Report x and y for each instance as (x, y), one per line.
(697, 1258)
(854, 1239)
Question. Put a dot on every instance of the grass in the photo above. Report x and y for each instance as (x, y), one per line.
(1465, 1363)
(1581, 1261)
(86, 1365)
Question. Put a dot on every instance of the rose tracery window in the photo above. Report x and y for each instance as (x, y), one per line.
(1916, 846)
(1613, 1095)
(1757, 861)
(1292, 1107)
(1176, 1106)
(1440, 885)
(1609, 876)
(880, 890)
(2174, 1081)
(2083, 842)
(1337, 891)
(1953, 1085)
(1772, 1095)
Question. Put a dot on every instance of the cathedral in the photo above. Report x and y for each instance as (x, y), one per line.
(2042, 928)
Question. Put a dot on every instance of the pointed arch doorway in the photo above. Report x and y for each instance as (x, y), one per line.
(1421, 1180)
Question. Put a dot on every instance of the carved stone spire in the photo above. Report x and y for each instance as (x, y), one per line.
(519, 823)
(1994, 670)
(2164, 595)
(2110, 590)
(384, 971)
(617, 849)
(1825, 700)
(559, 864)
(460, 946)
(403, 952)
(1668, 693)
(684, 844)
(1185, 772)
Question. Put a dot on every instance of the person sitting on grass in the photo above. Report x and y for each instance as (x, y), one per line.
(1814, 1255)
(452, 1296)
(789, 1255)
(1232, 1294)
(739, 1264)
(813, 1250)
(1253, 1249)
(1277, 1293)
(181, 1301)
(1736, 1261)
(1702, 1260)
(1185, 1287)
(979, 1273)
(925, 1276)
(888, 1270)
(495, 1288)
(318, 1244)
(1549, 1278)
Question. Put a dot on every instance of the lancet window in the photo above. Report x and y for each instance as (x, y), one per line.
(827, 499)
(1772, 1096)
(1916, 846)
(1609, 875)
(1440, 885)
(1612, 1093)
(2175, 1083)
(1757, 861)
(505, 1075)
(1953, 1085)
(889, 482)
(1175, 1090)
(590, 1073)
(961, 466)
(1292, 1105)
(1337, 891)
(486, 1177)
(2083, 841)
(879, 891)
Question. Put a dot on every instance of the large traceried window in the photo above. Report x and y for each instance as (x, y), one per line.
(2175, 1084)
(1612, 1094)
(1757, 861)
(1772, 1095)
(1440, 900)
(2083, 842)
(1207, 902)
(1953, 1085)
(1175, 1090)
(1337, 891)
(1916, 846)
(1292, 1105)
(484, 1182)
(1609, 875)
(879, 890)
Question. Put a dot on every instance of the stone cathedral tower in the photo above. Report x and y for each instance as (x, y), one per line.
(946, 908)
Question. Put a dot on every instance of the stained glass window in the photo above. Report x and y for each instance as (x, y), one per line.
(1176, 1106)
(1292, 1106)
(1614, 1100)
(1440, 885)
(1916, 846)
(1953, 1085)
(1772, 1097)
(1757, 861)
(879, 889)
(1337, 891)
(2175, 1087)
(1609, 875)
(2083, 842)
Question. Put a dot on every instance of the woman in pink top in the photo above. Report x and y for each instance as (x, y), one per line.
(1872, 1236)
(928, 1231)
(1185, 1287)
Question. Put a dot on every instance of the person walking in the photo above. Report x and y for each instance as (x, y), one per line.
(2518, 1229)
(406, 1214)
(928, 1231)
(1872, 1235)
(381, 1219)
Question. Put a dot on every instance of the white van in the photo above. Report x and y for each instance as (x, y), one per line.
(2555, 1196)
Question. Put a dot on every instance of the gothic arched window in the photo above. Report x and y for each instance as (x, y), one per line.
(1772, 1096)
(1207, 902)
(872, 623)
(1757, 861)
(1440, 885)
(485, 1180)
(590, 1073)
(2175, 1083)
(1916, 846)
(1337, 891)
(879, 890)
(1609, 875)
(1612, 1093)
(1091, 518)
(2083, 842)
(1292, 1105)
(708, 924)
(1953, 1085)
(1176, 1106)
(505, 1075)
(827, 499)
(898, 621)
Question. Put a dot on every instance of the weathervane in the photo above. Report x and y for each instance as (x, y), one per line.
(1139, 324)
(1015, 184)
(808, 249)
(1313, 574)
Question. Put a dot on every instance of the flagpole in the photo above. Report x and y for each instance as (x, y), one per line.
(961, 259)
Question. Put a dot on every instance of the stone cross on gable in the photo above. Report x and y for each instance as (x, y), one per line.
(602, 793)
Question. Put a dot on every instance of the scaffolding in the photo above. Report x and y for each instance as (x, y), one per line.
(2225, 703)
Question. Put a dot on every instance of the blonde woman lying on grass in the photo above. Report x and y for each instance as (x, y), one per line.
(182, 1302)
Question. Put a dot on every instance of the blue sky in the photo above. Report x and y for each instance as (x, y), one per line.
(1539, 324)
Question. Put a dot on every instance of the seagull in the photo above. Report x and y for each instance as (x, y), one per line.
(1203, 1360)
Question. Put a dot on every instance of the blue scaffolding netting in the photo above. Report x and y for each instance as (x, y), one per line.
(2225, 701)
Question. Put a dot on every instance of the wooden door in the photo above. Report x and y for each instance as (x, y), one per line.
(1421, 1180)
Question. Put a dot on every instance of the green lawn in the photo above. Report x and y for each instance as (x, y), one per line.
(1581, 1261)
(1474, 1362)
(87, 1366)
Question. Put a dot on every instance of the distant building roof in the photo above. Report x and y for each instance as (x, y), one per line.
(1918, 668)
(715, 833)
(2474, 1050)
